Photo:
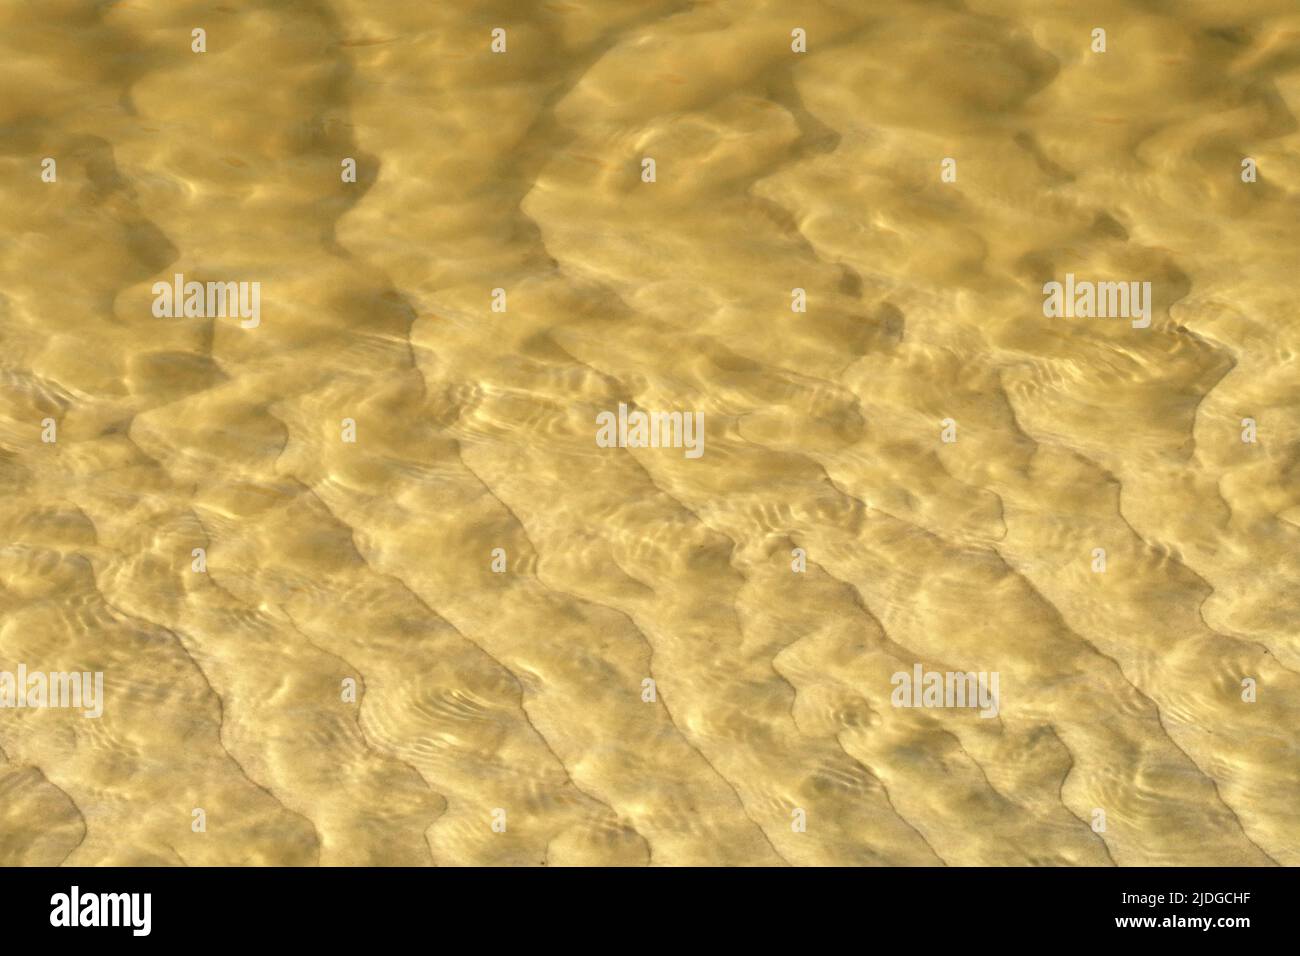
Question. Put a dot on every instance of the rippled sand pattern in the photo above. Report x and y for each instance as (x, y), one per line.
(475, 430)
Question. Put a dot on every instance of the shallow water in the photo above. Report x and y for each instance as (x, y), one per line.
(522, 691)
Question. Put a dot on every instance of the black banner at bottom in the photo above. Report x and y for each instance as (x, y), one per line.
(1218, 907)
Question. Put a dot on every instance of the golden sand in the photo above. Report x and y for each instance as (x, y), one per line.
(501, 716)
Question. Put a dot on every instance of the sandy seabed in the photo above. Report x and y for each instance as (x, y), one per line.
(432, 644)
